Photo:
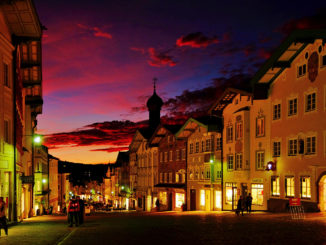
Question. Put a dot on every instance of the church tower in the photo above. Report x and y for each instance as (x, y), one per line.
(154, 105)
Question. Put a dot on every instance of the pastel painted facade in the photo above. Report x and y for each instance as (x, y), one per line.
(203, 163)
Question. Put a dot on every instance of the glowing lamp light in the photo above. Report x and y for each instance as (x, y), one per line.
(122, 187)
(211, 161)
(271, 166)
(37, 139)
(44, 180)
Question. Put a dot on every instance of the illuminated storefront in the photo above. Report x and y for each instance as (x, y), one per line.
(179, 200)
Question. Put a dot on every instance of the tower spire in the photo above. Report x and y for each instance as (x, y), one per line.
(154, 82)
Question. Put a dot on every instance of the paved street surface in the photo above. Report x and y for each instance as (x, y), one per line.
(171, 228)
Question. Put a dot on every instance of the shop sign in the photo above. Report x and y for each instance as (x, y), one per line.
(295, 202)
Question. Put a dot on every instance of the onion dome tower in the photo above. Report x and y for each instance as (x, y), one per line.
(154, 105)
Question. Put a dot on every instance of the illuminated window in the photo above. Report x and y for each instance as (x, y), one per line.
(34, 51)
(176, 178)
(170, 156)
(260, 159)
(35, 73)
(276, 149)
(191, 175)
(6, 75)
(260, 126)
(230, 162)
(165, 156)
(218, 143)
(257, 193)
(289, 186)
(305, 187)
(218, 199)
(293, 107)
(276, 111)
(163, 197)
(293, 147)
(202, 198)
(310, 102)
(239, 130)
(191, 148)
(183, 178)
(311, 145)
(229, 134)
(24, 50)
(208, 145)
(238, 161)
(179, 200)
(197, 147)
(275, 185)
(302, 70)
(231, 193)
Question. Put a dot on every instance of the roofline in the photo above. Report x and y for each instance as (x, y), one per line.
(304, 36)
(186, 123)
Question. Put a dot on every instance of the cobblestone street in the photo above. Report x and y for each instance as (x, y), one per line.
(172, 228)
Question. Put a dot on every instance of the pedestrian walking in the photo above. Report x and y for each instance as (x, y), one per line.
(240, 206)
(249, 203)
(3, 218)
(73, 210)
(157, 203)
(81, 211)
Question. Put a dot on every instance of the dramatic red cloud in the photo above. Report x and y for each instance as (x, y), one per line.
(196, 40)
(160, 59)
(114, 133)
(113, 149)
(312, 22)
(97, 32)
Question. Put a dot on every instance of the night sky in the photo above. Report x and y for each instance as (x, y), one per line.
(100, 58)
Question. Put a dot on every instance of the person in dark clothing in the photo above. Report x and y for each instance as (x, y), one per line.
(240, 206)
(249, 203)
(3, 219)
(81, 211)
(73, 210)
(157, 203)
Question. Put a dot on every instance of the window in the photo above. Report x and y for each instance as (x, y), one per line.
(260, 158)
(208, 145)
(293, 147)
(6, 132)
(176, 178)
(165, 177)
(289, 186)
(165, 156)
(163, 197)
(310, 102)
(257, 193)
(161, 177)
(6, 75)
(218, 174)
(239, 130)
(24, 52)
(191, 175)
(305, 191)
(161, 156)
(191, 148)
(202, 198)
(171, 156)
(323, 60)
(35, 73)
(230, 162)
(183, 151)
(311, 145)
(238, 161)
(276, 111)
(202, 146)
(179, 200)
(178, 155)
(302, 70)
(207, 173)
(293, 107)
(275, 185)
(197, 147)
(231, 193)
(229, 134)
(260, 126)
(170, 177)
(218, 143)
(276, 149)
(34, 51)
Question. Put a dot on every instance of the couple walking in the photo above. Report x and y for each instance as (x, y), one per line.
(244, 204)
(75, 211)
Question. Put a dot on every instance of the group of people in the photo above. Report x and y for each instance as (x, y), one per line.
(76, 211)
(244, 204)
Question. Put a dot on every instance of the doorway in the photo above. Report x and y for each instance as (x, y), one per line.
(208, 200)
(322, 194)
(192, 199)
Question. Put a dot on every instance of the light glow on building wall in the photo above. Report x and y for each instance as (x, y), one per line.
(179, 199)
(202, 197)
(218, 199)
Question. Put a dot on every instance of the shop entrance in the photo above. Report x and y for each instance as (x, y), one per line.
(322, 193)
